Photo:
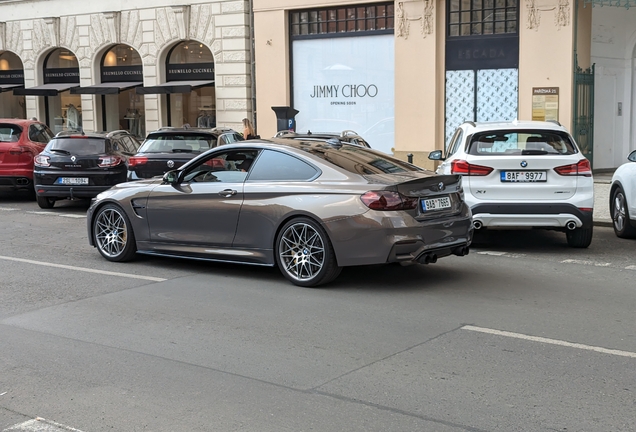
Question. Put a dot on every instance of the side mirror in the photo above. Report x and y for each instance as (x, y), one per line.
(632, 156)
(171, 177)
(436, 155)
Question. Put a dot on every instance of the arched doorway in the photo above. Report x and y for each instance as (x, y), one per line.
(63, 110)
(11, 77)
(189, 86)
(121, 70)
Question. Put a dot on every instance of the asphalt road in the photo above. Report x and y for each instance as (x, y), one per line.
(522, 334)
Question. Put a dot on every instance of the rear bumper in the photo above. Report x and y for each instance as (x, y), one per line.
(69, 191)
(531, 215)
(17, 182)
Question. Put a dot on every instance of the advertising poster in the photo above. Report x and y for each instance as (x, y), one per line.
(346, 83)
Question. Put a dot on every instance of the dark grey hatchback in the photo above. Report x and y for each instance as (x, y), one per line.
(81, 165)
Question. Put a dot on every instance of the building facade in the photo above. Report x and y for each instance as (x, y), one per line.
(108, 65)
(420, 68)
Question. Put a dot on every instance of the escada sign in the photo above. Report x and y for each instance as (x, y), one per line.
(346, 91)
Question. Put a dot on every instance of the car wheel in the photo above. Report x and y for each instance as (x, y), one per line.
(620, 215)
(45, 202)
(579, 237)
(304, 253)
(114, 237)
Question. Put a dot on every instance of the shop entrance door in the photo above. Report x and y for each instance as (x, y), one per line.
(480, 95)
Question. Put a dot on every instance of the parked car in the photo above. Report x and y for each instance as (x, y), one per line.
(309, 207)
(523, 174)
(346, 136)
(168, 148)
(81, 165)
(622, 203)
(20, 142)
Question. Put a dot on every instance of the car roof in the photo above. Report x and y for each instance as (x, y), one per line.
(181, 130)
(94, 135)
(19, 122)
(514, 124)
(344, 136)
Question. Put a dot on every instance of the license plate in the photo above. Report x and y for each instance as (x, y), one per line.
(523, 176)
(72, 180)
(436, 203)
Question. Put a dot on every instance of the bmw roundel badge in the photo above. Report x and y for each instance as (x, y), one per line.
(170, 164)
(524, 164)
(441, 187)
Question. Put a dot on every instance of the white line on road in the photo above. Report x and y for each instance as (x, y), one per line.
(42, 213)
(40, 425)
(492, 253)
(550, 341)
(583, 262)
(69, 215)
(630, 267)
(83, 269)
(8, 209)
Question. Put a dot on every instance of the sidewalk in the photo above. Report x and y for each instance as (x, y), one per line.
(602, 180)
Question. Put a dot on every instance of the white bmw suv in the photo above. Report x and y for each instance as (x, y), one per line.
(523, 174)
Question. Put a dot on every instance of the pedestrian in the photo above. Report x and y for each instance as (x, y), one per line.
(248, 129)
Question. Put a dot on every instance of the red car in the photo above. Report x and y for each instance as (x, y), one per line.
(20, 141)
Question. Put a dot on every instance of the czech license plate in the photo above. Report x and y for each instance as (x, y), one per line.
(523, 176)
(72, 180)
(436, 203)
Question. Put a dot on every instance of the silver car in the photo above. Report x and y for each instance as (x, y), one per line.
(308, 207)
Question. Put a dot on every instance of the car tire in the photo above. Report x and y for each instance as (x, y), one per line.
(579, 237)
(304, 253)
(113, 234)
(620, 215)
(45, 202)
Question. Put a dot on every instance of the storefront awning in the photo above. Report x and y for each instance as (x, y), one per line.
(107, 88)
(9, 87)
(45, 90)
(174, 87)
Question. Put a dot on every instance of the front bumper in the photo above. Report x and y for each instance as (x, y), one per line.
(531, 216)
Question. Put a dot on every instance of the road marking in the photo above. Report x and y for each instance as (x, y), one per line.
(550, 341)
(41, 425)
(493, 253)
(8, 209)
(583, 262)
(41, 212)
(83, 269)
(630, 267)
(69, 215)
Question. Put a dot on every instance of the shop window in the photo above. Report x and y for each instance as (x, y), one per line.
(65, 109)
(377, 17)
(482, 17)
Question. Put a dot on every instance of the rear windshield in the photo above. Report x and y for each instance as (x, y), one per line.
(9, 133)
(195, 143)
(359, 160)
(517, 142)
(78, 146)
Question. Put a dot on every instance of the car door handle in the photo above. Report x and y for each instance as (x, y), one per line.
(227, 193)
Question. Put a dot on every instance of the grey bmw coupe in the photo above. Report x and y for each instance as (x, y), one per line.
(308, 207)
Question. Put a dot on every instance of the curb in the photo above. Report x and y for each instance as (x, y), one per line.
(603, 223)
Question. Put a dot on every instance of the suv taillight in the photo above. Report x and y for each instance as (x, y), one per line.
(464, 168)
(137, 160)
(41, 160)
(109, 161)
(387, 200)
(582, 168)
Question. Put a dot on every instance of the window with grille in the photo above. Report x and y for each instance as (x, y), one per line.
(482, 17)
(376, 18)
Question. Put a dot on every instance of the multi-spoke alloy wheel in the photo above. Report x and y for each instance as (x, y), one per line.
(113, 235)
(304, 253)
(620, 215)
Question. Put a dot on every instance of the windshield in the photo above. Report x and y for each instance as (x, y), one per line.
(9, 133)
(194, 143)
(517, 142)
(78, 146)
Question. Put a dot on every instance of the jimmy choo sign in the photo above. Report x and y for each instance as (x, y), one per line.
(345, 91)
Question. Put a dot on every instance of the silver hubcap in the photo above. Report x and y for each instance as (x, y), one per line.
(619, 212)
(110, 232)
(302, 252)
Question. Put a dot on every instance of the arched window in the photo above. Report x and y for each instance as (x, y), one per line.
(11, 77)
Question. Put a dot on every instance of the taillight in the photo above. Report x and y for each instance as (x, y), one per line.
(137, 160)
(41, 160)
(109, 161)
(582, 168)
(464, 168)
(387, 200)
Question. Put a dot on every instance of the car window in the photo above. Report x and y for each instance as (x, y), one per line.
(10, 133)
(39, 134)
(521, 142)
(456, 143)
(195, 143)
(278, 166)
(228, 138)
(230, 167)
(78, 146)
